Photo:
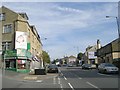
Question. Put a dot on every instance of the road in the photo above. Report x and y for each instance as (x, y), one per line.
(89, 79)
(68, 78)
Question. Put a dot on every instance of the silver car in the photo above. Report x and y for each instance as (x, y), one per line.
(107, 68)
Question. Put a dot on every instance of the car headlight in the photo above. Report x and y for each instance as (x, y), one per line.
(117, 69)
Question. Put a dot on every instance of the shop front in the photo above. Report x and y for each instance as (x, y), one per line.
(17, 60)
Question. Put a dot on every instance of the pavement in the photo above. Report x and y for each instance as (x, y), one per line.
(27, 76)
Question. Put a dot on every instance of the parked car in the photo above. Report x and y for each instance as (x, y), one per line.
(70, 65)
(52, 68)
(93, 66)
(107, 68)
(86, 66)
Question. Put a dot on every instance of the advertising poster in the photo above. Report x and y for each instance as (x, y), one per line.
(91, 55)
(21, 40)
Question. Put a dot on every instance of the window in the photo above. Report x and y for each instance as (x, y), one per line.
(33, 38)
(6, 45)
(7, 28)
(29, 33)
(2, 16)
(33, 51)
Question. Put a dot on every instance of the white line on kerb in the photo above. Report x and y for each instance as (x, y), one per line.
(65, 78)
(93, 85)
(39, 81)
(103, 74)
(71, 86)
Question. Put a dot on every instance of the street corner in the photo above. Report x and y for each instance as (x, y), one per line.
(47, 76)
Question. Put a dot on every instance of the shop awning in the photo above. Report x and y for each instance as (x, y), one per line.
(35, 59)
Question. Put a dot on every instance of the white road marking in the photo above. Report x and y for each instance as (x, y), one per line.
(61, 86)
(79, 78)
(59, 70)
(104, 74)
(30, 78)
(58, 80)
(65, 78)
(39, 81)
(54, 80)
(93, 85)
(71, 86)
(62, 74)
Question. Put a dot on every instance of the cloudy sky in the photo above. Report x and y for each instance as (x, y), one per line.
(68, 25)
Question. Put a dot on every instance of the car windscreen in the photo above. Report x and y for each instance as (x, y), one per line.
(87, 65)
(109, 65)
(52, 66)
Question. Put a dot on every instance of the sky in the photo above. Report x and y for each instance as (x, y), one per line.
(70, 26)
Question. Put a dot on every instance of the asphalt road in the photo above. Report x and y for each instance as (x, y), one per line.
(89, 79)
(68, 78)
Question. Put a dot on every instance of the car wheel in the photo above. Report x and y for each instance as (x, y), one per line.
(105, 71)
(99, 71)
(56, 71)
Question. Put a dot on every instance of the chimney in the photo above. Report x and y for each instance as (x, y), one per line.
(98, 44)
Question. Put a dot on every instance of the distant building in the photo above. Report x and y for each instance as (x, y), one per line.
(21, 44)
(71, 60)
(90, 54)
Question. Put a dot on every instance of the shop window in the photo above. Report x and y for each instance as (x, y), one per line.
(21, 64)
(10, 63)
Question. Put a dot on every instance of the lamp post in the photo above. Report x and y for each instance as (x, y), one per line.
(43, 63)
(117, 23)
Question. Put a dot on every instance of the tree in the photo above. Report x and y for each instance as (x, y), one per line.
(46, 57)
(54, 61)
(79, 56)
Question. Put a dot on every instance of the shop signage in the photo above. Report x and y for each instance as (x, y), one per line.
(10, 53)
(23, 53)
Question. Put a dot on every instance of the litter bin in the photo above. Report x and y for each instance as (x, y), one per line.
(40, 72)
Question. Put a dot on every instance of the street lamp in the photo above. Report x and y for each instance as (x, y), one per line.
(117, 23)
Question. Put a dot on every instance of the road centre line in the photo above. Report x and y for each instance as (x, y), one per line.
(71, 86)
(93, 85)
(65, 78)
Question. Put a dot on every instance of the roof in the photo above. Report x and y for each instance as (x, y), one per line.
(72, 56)
(24, 15)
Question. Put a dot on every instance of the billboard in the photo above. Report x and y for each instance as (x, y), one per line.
(91, 55)
(21, 40)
